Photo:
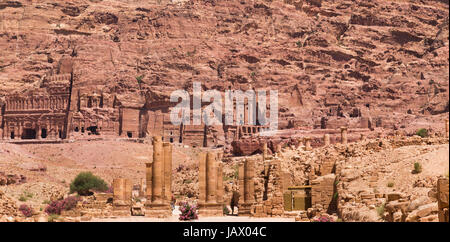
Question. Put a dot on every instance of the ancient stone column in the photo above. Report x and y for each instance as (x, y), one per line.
(167, 171)
(18, 134)
(148, 181)
(308, 143)
(246, 186)
(159, 179)
(446, 128)
(122, 189)
(7, 132)
(211, 181)
(219, 186)
(38, 132)
(265, 154)
(326, 140)
(202, 177)
(158, 161)
(210, 200)
(344, 140)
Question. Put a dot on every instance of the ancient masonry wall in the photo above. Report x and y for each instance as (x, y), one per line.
(324, 193)
(272, 204)
(122, 197)
(443, 199)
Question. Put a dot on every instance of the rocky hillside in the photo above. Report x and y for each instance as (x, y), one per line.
(371, 58)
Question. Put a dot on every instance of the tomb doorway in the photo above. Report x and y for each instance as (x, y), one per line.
(29, 134)
(44, 133)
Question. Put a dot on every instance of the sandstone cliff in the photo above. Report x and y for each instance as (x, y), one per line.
(336, 59)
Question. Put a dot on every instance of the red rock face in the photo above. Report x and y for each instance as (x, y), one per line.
(342, 60)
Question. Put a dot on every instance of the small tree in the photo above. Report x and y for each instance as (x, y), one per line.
(417, 168)
(422, 133)
(86, 182)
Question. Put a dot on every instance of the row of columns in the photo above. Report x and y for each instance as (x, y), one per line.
(58, 102)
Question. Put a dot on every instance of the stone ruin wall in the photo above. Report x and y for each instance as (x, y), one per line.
(443, 199)
(261, 181)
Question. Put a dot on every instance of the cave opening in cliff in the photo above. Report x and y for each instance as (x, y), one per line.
(130, 134)
(76, 129)
(12, 135)
(44, 133)
(93, 130)
(29, 134)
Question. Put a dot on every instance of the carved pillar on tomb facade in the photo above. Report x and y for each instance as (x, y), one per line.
(210, 202)
(344, 139)
(246, 186)
(326, 140)
(19, 130)
(38, 130)
(6, 131)
(158, 176)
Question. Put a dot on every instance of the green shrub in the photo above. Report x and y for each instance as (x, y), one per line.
(28, 194)
(86, 182)
(139, 78)
(417, 168)
(22, 198)
(380, 210)
(52, 217)
(390, 184)
(226, 211)
(422, 133)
